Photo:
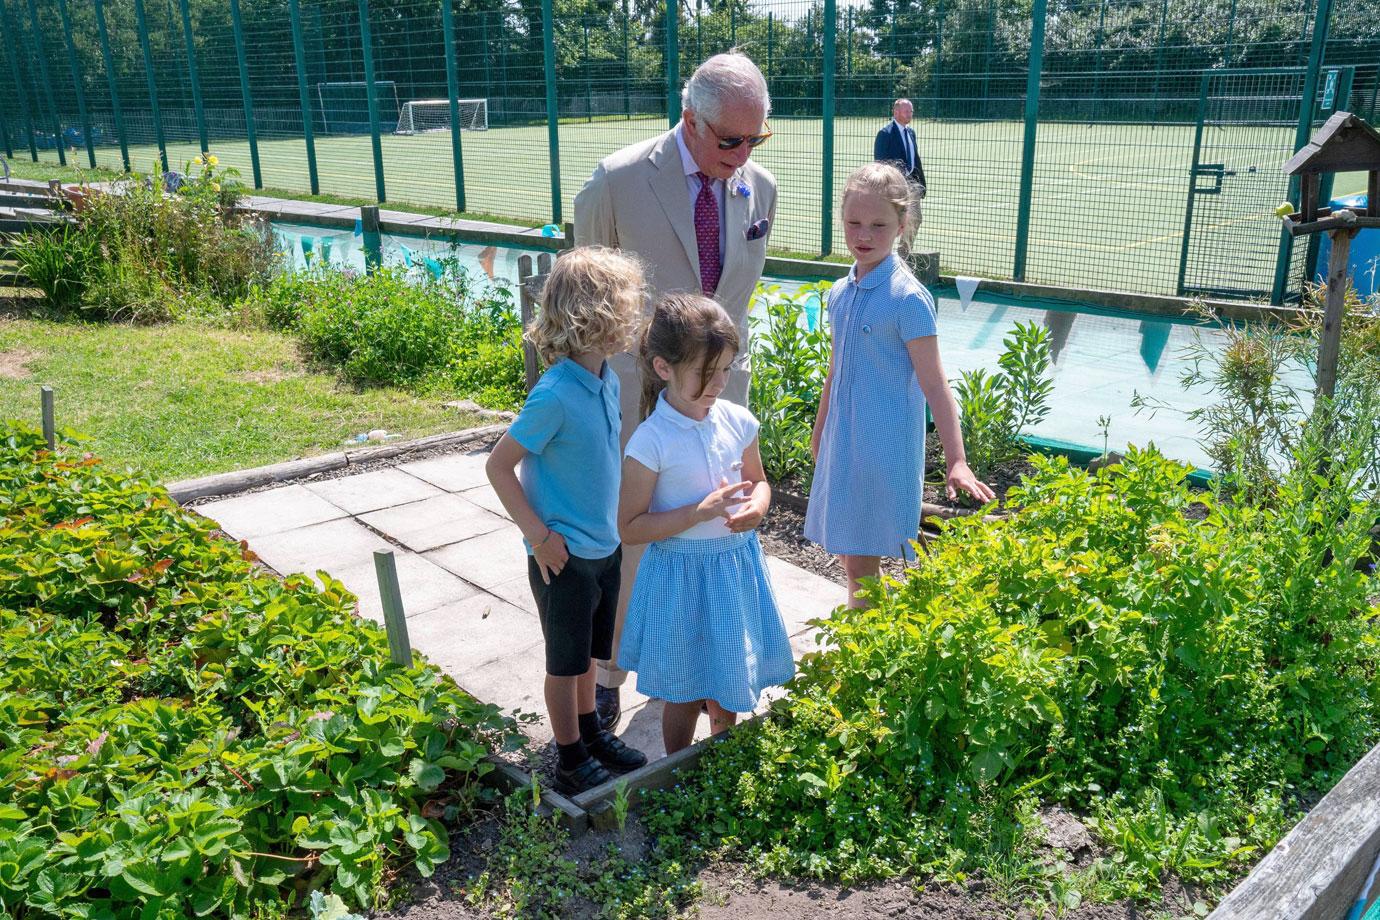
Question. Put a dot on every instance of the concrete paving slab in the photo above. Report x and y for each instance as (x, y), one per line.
(423, 584)
(517, 592)
(335, 546)
(372, 491)
(801, 595)
(432, 522)
(273, 511)
(488, 560)
(514, 682)
(453, 473)
(485, 497)
(464, 636)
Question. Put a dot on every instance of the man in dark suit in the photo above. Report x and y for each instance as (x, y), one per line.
(896, 144)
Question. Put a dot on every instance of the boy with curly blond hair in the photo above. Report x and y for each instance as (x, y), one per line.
(565, 501)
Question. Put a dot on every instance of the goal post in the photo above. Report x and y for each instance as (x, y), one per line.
(419, 116)
(345, 105)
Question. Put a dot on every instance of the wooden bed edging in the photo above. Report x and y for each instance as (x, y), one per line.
(219, 484)
(507, 777)
(1316, 872)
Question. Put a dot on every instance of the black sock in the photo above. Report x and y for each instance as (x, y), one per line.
(589, 726)
(572, 754)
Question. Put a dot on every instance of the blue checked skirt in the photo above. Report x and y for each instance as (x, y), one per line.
(703, 623)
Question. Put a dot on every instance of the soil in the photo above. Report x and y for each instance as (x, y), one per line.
(14, 364)
(732, 892)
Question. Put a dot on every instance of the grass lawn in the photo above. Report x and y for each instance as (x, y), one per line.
(185, 400)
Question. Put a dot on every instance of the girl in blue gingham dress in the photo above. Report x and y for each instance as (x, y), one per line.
(869, 437)
(702, 625)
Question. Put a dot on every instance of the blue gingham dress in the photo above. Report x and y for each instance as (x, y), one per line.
(869, 480)
(702, 622)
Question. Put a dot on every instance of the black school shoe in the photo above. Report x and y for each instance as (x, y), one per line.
(616, 756)
(608, 704)
(582, 778)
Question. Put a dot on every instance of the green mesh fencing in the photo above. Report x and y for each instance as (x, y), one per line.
(1095, 158)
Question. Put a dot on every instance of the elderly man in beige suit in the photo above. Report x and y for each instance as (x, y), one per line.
(697, 212)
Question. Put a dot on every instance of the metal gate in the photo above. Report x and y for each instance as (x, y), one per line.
(1250, 122)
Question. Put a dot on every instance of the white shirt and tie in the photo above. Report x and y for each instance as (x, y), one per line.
(693, 183)
(905, 142)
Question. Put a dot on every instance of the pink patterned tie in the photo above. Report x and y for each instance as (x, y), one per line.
(707, 236)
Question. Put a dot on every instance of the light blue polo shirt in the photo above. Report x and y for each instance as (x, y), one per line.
(569, 427)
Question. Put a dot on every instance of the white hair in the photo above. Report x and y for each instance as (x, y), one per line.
(902, 101)
(723, 78)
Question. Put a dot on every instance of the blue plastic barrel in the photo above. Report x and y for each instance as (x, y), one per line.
(1365, 251)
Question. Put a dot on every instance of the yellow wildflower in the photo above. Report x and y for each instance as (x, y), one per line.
(213, 159)
(196, 162)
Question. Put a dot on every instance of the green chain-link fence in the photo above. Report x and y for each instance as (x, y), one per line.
(1127, 144)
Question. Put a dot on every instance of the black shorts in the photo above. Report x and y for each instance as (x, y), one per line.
(577, 611)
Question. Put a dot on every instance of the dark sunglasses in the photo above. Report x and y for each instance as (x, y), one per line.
(731, 143)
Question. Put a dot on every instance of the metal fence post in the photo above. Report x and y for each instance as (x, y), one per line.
(771, 36)
(1231, 29)
(1032, 114)
(142, 24)
(11, 42)
(627, 53)
(937, 75)
(553, 114)
(75, 67)
(46, 84)
(453, 90)
(300, 55)
(589, 98)
(116, 112)
(249, 131)
(826, 189)
(673, 61)
(1301, 135)
(5, 136)
(366, 42)
(394, 617)
(194, 78)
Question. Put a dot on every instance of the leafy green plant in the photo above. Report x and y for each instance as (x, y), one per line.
(997, 408)
(441, 335)
(186, 736)
(59, 263)
(789, 366)
(1182, 684)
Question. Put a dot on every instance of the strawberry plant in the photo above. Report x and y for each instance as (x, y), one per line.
(182, 735)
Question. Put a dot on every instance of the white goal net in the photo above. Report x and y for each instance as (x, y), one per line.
(421, 115)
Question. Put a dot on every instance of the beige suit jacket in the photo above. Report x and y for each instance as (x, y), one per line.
(637, 201)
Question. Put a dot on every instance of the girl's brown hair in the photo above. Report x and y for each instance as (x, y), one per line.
(684, 328)
(592, 301)
(888, 182)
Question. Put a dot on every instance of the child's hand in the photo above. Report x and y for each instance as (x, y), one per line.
(961, 477)
(551, 555)
(721, 502)
(748, 517)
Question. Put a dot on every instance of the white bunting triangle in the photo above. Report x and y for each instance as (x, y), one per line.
(966, 288)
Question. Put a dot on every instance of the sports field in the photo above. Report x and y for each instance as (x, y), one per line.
(1108, 200)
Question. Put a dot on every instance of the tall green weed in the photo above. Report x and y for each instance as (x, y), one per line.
(1183, 684)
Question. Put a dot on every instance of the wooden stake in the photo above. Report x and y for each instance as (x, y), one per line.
(527, 302)
(1338, 279)
(49, 428)
(373, 242)
(394, 618)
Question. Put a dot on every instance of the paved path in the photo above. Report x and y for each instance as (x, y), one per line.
(463, 574)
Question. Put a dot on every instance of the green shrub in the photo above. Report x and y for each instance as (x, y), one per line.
(1183, 684)
(996, 408)
(789, 365)
(182, 735)
(401, 328)
(155, 249)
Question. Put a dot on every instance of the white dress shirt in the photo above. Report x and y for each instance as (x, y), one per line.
(692, 184)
